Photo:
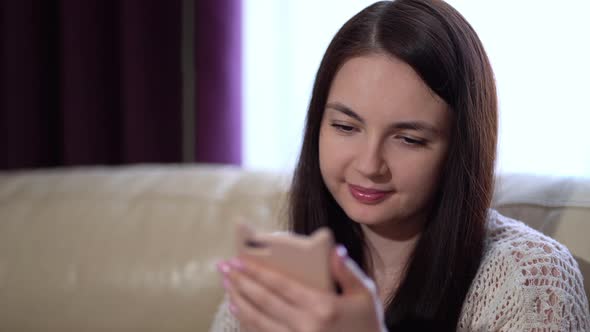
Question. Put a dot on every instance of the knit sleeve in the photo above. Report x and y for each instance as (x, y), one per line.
(526, 282)
(224, 320)
(548, 290)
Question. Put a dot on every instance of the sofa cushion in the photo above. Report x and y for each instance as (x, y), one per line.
(130, 248)
(134, 248)
(557, 206)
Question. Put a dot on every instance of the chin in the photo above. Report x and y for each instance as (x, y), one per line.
(369, 219)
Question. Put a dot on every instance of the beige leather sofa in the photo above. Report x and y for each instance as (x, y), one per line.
(134, 248)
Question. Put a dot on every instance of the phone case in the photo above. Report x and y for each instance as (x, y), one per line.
(304, 258)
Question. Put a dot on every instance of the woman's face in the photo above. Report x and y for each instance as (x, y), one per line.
(383, 141)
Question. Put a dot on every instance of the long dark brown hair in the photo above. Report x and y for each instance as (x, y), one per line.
(444, 50)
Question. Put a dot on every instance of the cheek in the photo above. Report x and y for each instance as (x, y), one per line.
(324, 154)
(420, 174)
(327, 156)
(333, 155)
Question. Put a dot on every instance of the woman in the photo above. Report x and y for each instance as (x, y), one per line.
(398, 160)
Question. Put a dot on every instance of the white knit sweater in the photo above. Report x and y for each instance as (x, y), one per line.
(526, 282)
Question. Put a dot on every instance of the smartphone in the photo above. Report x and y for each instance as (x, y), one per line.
(304, 258)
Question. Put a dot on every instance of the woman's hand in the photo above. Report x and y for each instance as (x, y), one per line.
(264, 300)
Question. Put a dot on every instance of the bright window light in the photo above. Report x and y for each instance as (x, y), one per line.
(538, 49)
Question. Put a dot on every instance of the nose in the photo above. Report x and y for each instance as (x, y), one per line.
(370, 162)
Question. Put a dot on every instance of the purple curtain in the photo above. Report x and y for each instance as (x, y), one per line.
(100, 82)
(218, 80)
(29, 118)
(120, 81)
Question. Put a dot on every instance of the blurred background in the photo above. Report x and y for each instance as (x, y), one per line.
(108, 82)
(105, 82)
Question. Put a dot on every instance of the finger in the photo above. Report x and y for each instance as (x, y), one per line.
(249, 316)
(354, 281)
(290, 290)
(263, 299)
(348, 274)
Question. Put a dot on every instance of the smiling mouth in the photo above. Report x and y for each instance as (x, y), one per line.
(368, 195)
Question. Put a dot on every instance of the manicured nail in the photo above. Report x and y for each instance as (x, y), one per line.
(233, 308)
(223, 267)
(237, 264)
(341, 251)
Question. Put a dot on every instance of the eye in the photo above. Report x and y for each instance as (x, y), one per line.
(343, 128)
(412, 141)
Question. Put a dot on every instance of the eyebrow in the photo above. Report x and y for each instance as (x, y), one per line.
(410, 125)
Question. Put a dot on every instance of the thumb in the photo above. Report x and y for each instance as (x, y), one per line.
(348, 274)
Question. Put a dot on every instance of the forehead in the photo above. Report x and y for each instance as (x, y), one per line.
(384, 87)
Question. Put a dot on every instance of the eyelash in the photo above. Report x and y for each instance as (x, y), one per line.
(343, 128)
(406, 140)
(412, 141)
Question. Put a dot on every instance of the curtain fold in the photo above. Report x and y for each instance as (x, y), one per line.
(29, 116)
(121, 81)
(100, 82)
(89, 82)
(218, 81)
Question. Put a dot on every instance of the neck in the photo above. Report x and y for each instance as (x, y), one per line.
(390, 246)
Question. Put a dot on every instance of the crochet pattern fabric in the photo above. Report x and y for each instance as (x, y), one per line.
(526, 282)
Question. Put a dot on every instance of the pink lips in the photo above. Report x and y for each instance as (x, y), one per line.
(368, 195)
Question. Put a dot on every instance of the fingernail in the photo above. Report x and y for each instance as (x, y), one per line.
(341, 251)
(223, 267)
(237, 264)
(233, 308)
